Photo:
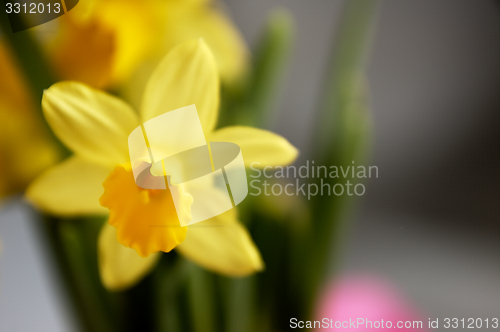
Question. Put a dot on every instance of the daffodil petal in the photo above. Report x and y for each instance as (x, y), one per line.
(226, 43)
(223, 245)
(93, 124)
(70, 188)
(136, 36)
(258, 146)
(120, 267)
(187, 75)
(200, 19)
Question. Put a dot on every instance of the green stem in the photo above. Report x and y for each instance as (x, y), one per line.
(271, 59)
(348, 62)
(343, 132)
(66, 249)
(49, 226)
(254, 105)
(202, 299)
(170, 284)
(239, 296)
(92, 298)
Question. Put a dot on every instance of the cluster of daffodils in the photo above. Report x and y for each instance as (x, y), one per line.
(103, 43)
(98, 178)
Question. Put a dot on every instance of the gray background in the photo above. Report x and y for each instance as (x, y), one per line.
(430, 223)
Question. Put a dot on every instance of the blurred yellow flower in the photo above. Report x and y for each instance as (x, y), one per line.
(25, 149)
(95, 126)
(102, 42)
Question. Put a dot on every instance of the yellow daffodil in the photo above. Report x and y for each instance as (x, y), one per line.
(25, 149)
(102, 42)
(95, 126)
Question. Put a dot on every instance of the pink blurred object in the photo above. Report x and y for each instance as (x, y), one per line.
(367, 303)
